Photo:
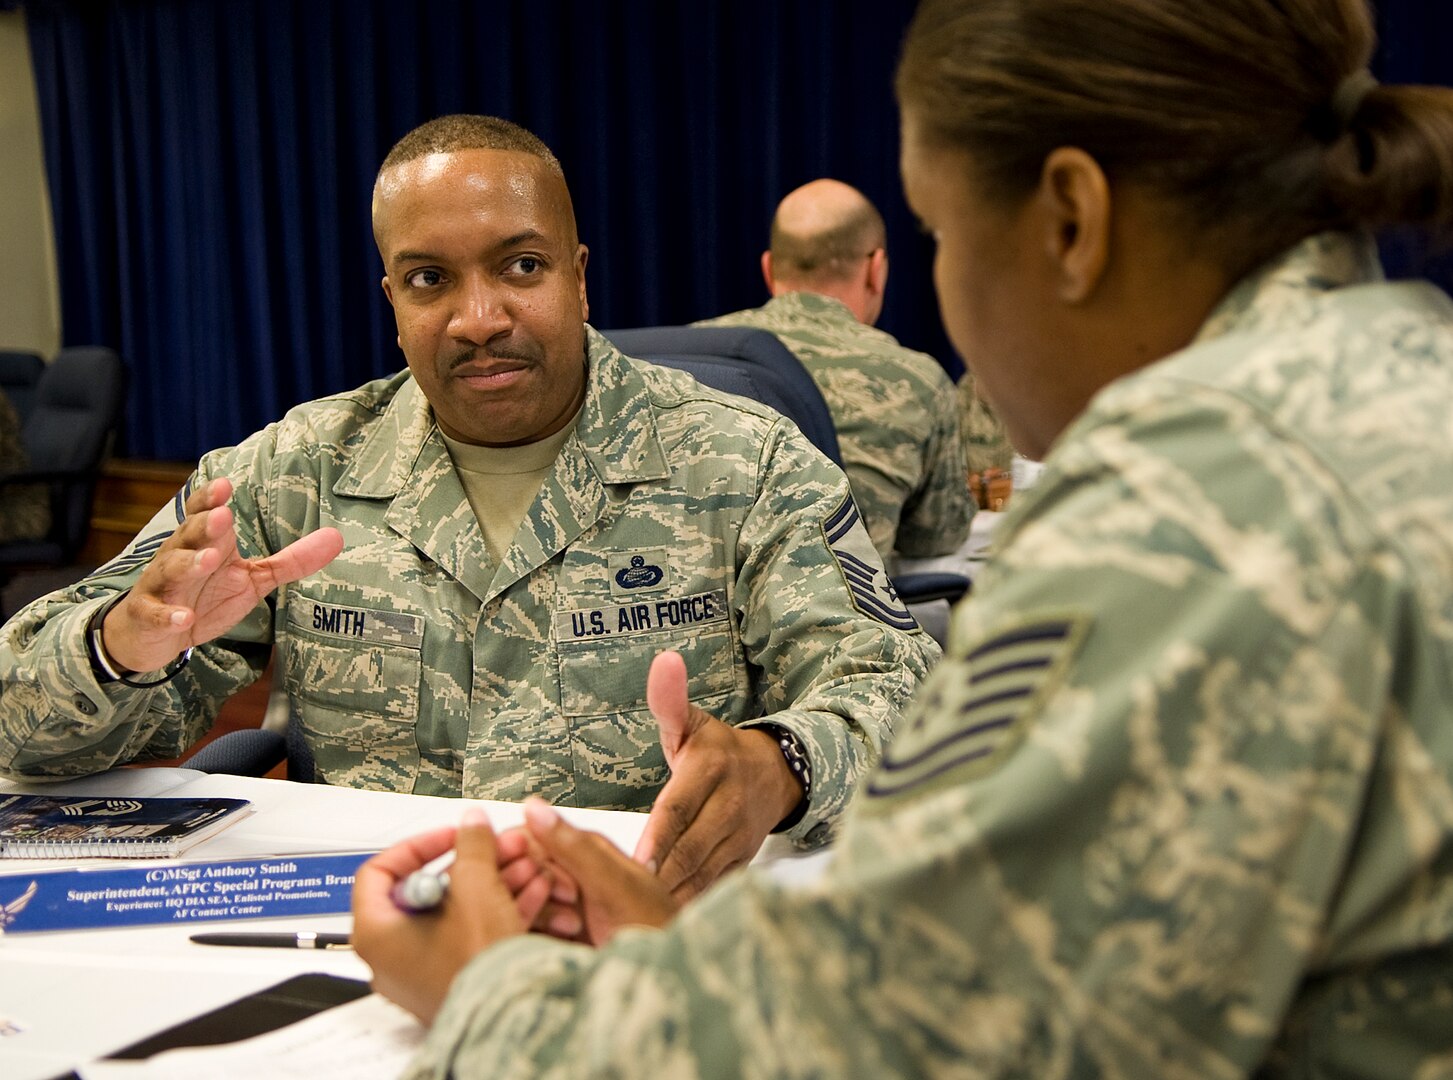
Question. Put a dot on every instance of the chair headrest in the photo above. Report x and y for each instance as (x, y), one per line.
(741, 360)
(81, 377)
(20, 368)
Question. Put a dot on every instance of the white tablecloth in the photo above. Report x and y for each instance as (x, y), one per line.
(69, 997)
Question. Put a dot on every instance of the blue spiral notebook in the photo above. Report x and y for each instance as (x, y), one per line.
(80, 826)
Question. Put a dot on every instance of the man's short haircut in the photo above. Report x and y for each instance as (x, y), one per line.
(829, 253)
(466, 131)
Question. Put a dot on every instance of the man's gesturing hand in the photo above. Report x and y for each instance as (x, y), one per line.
(197, 587)
(728, 788)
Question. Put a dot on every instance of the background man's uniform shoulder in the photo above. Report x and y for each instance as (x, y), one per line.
(896, 418)
(986, 443)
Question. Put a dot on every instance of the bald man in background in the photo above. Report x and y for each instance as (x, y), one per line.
(895, 410)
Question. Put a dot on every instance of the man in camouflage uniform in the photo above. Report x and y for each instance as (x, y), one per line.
(1175, 805)
(986, 444)
(894, 409)
(481, 634)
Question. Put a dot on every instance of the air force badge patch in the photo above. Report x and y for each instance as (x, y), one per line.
(635, 572)
(862, 568)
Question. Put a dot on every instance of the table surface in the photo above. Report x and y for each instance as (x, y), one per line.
(69, 997)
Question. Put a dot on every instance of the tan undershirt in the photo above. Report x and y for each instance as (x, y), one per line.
(501, 482)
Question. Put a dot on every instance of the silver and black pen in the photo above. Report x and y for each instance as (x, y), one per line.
(303, 939)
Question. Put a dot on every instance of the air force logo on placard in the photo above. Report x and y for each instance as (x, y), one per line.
(862, 568)
(11, 909)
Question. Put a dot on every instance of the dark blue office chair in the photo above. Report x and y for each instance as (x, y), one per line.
(255, 752)
(739, 360)
(68, 435)
(19, 374)
(755, 364)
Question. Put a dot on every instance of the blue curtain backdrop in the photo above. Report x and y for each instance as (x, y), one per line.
(210, 165)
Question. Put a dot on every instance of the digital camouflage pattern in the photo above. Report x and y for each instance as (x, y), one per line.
(674, 518)
(986, 444)
(1178, 803)
(896, 418)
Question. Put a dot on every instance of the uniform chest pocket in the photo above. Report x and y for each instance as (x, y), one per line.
(606, 652)
(352, 676)
(615, 744)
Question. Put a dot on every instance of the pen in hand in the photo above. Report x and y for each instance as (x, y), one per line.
(424, 889)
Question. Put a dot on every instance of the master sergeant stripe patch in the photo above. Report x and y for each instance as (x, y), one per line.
(141, 551)
(868, 585)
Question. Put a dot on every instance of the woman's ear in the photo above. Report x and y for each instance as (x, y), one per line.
(1074, 197)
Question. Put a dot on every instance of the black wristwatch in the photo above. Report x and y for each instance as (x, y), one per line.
(800, 764)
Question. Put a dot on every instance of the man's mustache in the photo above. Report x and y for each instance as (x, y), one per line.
(522, 353)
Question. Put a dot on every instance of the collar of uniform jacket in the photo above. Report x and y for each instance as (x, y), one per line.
(1287, 288)
(815, 306)
(619, 452)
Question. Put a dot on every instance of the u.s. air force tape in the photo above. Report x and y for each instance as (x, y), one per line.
(656, 613)
(973, 708)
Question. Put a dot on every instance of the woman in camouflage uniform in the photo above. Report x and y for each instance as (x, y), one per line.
(1179, 801)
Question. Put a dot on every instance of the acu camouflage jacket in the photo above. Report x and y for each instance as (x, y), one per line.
(675, 517)
(1178, 802)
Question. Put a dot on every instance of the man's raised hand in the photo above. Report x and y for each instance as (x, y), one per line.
(197, 586)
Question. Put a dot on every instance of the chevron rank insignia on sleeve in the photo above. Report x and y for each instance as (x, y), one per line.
(141, 550)
(862, 568)
(975, 707)
(139, 554)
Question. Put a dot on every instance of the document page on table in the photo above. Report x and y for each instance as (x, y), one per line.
(370, 1037)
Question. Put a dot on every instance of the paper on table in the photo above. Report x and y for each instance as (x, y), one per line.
(364, 1038)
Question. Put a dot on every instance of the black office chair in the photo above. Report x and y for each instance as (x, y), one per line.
(256, 752)
(755, 364)
(68, 435)
(19, 374)
(739, 360)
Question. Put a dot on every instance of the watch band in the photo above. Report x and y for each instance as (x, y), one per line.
(101, 663)
(106, 668)
(797, 760)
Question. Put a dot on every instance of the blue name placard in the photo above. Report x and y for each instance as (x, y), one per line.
(191, 892)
